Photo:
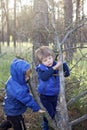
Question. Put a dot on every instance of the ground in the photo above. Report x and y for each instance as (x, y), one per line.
(33, 120)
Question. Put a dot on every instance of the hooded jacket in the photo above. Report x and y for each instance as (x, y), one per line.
(17, 96)
(49, 81)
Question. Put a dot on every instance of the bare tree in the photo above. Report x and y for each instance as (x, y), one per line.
(68, 17)
(40, 23)
(14, 37)
(7, 20)
(2, 20)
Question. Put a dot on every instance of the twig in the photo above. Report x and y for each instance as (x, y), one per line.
(84, 117)
(77, 97)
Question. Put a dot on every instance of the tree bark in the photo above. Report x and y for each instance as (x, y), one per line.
(68, 13)
(7, 19)
(14, 33)
(40, 22)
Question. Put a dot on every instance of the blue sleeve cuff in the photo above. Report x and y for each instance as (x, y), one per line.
(66, 70)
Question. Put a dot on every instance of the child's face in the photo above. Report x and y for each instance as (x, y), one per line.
(27, 74)
(47, 61)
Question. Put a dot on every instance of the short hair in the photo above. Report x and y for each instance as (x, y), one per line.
(42, 52)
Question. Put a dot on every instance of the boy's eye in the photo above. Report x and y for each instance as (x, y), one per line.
(49, 57)
(44, 60)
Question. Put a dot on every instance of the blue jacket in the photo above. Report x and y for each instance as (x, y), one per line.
(17, 97)
(49, 81)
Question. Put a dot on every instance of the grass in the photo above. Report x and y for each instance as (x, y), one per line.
(8, 54)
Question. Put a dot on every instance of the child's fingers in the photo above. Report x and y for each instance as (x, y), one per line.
(64, 55)
(41, 111)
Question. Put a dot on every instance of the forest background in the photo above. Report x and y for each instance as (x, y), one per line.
(62, 24)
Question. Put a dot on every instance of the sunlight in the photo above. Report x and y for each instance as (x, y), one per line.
(11, 3)
(25, 2)
(85, 7)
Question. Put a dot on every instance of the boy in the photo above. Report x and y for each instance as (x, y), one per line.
(17, 97)
(48, 80)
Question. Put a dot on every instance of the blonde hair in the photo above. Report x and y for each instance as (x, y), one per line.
(42, 52)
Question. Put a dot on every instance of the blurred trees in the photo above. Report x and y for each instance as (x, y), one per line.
(23, 21)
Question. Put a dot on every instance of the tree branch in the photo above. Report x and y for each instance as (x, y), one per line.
(77, 97)
(84, 117)
(72, 30)
(36, 97)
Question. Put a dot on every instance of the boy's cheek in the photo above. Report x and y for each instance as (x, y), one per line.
(28, 73)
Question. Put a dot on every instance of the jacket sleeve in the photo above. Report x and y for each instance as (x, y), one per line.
(66, 70)
(44, 75)
(27, 99)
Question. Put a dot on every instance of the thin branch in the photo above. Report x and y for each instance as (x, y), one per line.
(77, 97)
(2, 82)
(36, 97)
(84, 117)
(70, 48)
(78, 61)
(72, 30)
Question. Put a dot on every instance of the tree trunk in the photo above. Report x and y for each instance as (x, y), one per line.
(7, 20)
(40, 23)
(61, 116)
(14, 35)
(2, 20)
(68, 13)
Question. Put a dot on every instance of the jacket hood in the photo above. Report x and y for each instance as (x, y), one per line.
(17, 70)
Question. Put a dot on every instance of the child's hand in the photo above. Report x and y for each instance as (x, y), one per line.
(64, 56)
(59, 63)
(41, 111)
(56, 67)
